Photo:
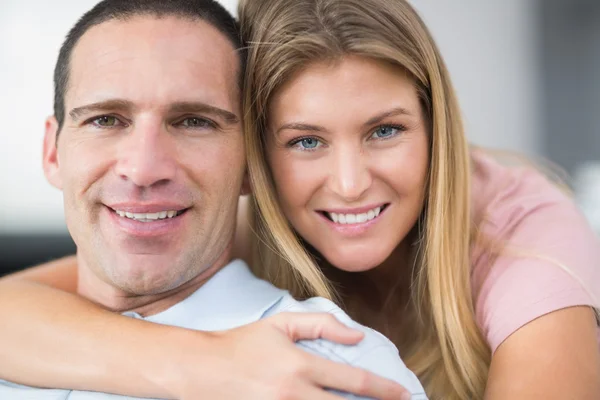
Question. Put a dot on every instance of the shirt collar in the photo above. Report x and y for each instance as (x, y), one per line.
(230, 298)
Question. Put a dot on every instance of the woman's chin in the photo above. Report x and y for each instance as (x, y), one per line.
(356, 263)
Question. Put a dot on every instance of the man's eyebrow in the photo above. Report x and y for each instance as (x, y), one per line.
(391, 113)
(299, 126)
(114, 104)
(199, 107)
(179, 107)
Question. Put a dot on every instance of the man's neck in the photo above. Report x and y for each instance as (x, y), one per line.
(112, 298)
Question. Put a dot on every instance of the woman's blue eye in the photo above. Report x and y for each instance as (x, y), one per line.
(308, 143)
(384, 132)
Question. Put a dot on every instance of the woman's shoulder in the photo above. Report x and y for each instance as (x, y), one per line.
(535, 252)
(505, 187)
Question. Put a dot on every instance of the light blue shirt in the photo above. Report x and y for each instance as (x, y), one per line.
(234, 297)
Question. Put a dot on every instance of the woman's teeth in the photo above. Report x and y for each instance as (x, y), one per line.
(354, 218)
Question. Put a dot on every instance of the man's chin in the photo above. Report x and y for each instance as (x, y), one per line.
(146, 274)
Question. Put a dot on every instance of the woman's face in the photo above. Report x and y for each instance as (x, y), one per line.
(348, 148)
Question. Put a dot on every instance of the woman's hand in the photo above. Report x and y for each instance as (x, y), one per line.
(260, 362)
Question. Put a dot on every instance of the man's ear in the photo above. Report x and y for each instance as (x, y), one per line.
(246, 187)
(50, 156)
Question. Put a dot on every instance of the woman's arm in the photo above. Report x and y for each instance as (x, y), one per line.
(556, 356)
(51, 338)
(60, 274)
(55, 339)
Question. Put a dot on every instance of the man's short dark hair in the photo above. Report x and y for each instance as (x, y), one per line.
(206, 10)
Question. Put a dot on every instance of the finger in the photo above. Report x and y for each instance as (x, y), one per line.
(308, 326)
(345, 378)
(311, 392)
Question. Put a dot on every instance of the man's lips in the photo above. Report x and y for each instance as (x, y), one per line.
(148, 224)
(145, 208)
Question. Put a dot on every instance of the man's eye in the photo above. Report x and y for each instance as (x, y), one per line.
(106, 121)
(195, 122)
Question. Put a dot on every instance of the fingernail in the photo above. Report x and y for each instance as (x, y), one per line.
(406, 396)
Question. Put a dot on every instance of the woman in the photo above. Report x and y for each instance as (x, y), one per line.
(485, 276)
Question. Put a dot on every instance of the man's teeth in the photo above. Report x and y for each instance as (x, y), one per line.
(147, 217)
(355, 218)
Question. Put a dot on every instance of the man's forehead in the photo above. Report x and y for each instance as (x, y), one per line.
(149, 23)
(149, 58)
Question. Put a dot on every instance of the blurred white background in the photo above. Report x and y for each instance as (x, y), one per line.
(494, 49)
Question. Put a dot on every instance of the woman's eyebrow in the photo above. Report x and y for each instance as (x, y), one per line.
(391, 113)
(300, 126)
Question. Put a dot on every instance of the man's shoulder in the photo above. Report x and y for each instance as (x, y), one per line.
(371, 340)
(375, 353)
(13, 391)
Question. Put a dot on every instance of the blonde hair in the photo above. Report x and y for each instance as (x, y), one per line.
(448, 352)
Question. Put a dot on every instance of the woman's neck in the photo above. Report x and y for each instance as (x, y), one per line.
(380, 297)
(387, 285)
(394, 274)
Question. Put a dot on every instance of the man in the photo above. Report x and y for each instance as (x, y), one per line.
(146, 145)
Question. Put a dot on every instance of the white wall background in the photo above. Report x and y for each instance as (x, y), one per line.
(489, 46)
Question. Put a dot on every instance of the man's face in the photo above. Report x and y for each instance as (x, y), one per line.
(151, 155)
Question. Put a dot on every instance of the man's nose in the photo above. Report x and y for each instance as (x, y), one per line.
(146, 155)
(349, 176)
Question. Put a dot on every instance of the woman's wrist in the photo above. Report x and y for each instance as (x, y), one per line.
(179, 357)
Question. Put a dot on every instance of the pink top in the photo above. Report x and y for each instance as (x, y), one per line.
(521, 208)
